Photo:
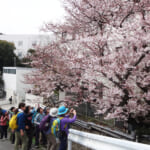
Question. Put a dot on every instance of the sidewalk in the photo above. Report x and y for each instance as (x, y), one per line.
(5, 145)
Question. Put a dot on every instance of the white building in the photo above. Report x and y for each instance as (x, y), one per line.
(25, 42)
(14, 84)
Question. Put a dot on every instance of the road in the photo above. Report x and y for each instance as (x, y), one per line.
(6, 145)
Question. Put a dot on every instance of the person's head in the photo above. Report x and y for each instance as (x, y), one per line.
(22, 106)
(27, 110)
(5, 113)
(12, 109)
(47, 110)
(40, 110)
(16, 111)
(53, 112)
(62, 110)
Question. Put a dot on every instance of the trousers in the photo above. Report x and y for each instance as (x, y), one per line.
(23, 139)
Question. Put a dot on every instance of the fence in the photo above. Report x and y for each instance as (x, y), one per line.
(103, 130)
(98, 142)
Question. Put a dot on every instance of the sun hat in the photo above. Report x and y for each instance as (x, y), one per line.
(62, 110)
(53, 112)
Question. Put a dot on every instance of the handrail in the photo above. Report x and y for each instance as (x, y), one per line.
(98, 142)
(102, 129)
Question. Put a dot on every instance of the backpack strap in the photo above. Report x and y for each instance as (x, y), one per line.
(58, 120)
(65, 126)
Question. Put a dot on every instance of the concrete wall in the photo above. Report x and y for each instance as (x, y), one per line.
(14, 84)
(9, 84)
(21, 87)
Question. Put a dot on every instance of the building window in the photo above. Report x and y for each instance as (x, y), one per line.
(20, 54)
(9, 71)
(20, 43)
(34, 43)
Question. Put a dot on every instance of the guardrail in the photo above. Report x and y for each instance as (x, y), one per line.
(98, 142)
(104, 130)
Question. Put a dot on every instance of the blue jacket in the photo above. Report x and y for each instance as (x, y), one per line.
(21, 118)
(38, 118)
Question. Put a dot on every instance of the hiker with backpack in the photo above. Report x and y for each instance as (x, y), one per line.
(46, 125)
(38, 119)
(13, 126)
(2, 112)
(29, 126)
(20, 133)
(11, 112)
(65, 120)
(3, 123)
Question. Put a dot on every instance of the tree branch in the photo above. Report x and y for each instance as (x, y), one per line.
(135, 64)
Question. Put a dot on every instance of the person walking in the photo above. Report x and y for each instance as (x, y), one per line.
(51, 139)
(3, 123)
(37, 121)
(10, 100)
(20, 133)
(64, 125)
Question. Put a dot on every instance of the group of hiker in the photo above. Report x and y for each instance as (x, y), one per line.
(48, 126)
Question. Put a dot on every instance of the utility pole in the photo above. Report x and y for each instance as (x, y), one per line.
(14, 61)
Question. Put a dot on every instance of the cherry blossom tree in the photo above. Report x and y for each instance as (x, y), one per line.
(103, 54)
(54, 70)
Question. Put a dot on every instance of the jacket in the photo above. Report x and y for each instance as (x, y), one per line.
(21, 118)
(66, 120)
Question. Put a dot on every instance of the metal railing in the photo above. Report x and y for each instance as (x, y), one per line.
(98, 142)
(103, 130)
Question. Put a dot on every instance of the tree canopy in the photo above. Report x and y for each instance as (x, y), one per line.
(7, 54)
(108, 57)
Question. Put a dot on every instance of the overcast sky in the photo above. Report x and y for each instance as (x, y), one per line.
(27, 16)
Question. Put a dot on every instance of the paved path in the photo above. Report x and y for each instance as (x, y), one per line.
(6, 145)
(8, 106)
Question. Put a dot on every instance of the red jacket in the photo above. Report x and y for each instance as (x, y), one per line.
(3, 120)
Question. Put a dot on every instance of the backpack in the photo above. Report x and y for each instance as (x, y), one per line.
(55, 128)
(45, 123)
(13, 122)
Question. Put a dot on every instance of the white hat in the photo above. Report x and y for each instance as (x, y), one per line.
(53, 112)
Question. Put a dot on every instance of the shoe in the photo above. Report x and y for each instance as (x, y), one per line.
(6, 138)
(36, 146)
(3, 139)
